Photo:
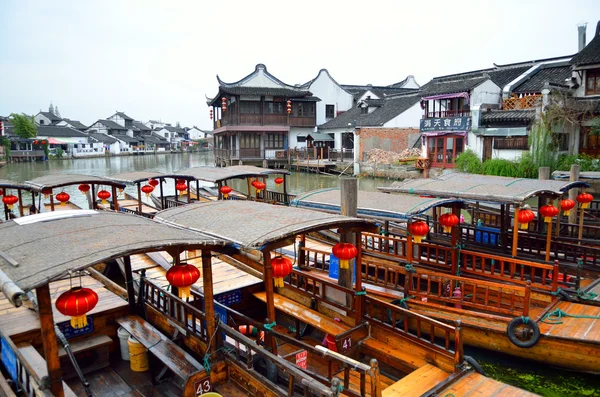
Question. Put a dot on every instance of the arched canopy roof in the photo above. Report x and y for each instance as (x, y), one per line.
(376, 205)
(6, 184)
(255, 225)
(37, 249)
(217, 174)
(59, 180)
(132, 178)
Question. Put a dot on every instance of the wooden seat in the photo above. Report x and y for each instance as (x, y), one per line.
(91, 354)
(304, 314)
(417, 382)
(172, 356)
(38, 365)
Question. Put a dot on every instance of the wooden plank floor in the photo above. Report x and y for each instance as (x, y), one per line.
(15, 321)
(587, 329)
(226, 277)
(478, 385)
(133, 206)
(57, 207)
(417, 382)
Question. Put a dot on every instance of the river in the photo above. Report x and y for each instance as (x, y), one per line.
(527, 375)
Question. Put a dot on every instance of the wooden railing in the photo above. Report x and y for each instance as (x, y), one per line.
(341, 154)
(562, 251)
(412, 326)
(316, 289)
(170, 203)
(449, 113)
(279, 198)
(526, 102)
(388, 245)
(315, 259)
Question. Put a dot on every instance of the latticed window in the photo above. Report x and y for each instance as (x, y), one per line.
(513, 143)
(592, 85)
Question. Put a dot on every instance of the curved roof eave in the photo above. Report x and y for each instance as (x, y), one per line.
(60, 180)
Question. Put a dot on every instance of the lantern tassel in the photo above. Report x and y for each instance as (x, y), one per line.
(447, 229)
(547, 219)
(417, 239)
(278, 282)
(104, 202)
(524, 226)
(567, 212)
(63, 203)
(225, 196)
(78, 322)
(184, 292)
(585, 205)
(344, 264)
(181, 193)
(10, 206)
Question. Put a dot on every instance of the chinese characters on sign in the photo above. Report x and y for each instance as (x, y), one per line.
(446, 124)
(70, 332)
(302, 359)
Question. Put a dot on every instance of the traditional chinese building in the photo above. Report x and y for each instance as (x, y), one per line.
(259, 117)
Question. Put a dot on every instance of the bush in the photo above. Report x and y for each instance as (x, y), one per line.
(586, 162)
(469, 162)
(522, 168)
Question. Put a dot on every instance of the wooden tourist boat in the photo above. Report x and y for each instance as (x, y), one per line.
(14, 206)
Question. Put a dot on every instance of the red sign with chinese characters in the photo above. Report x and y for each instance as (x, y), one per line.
(302, 359)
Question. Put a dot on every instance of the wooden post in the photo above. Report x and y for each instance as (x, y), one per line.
(349, 207)
(189, 192)
(301, 252)
(162, 200)
(219, 194)
(455, 237)
(209, 306)
(515, 241)
(49, 340)
(249, 188)
(115, 199)
(573, 177)
(409, 243)
(129, 284)
(375, 379)
(139, 192)
(5, 206)
(560, 212)
(358, 299)
(580, 231)
(20, 195)
(270, 295)
(502, 226)
(285, 195)
(94, 205)
(197, 190)
(548, 236)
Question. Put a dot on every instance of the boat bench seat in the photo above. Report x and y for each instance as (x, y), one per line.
(91, 354)
(39, 366)
(305, 314)
(181, 363)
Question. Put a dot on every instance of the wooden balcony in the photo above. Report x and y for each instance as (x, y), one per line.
(265, 119)
(447, 113)
(526, 102)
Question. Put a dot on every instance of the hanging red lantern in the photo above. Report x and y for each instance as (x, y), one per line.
(224, 104)
(289, 106)
(525, 216)
(147, 189)
(259, 186)
(567, 205)
(63, 198)
(282, 267)
(153, 182)
(43, 142)
(181, 187)
(183, 277)
(104, 195)
(585, 199)
(10, 200)
(345, 252)
(418, 230)
(278, 181)
(75, 303)
(448, 221)
(84, 188)
(46, 193)
(210, 113)
(35, 142)
(548, 211)
(225, 190)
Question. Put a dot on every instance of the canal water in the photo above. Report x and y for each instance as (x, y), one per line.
(534, 377)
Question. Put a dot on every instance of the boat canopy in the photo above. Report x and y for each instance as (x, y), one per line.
(58, 180)
(218, 174)
(135, 177)
(254, 225)
(6, 184)
(488, 188)
(37, 249)
(375, 205)
(593, 175)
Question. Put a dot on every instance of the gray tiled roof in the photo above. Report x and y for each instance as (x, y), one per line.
(55, 131)
(126, 117)
(141, 126)
(76, 124)
(507, 116)
(591, 53)
(51, 116)
(128, 139)
(380, 91)
(391, 108)
(112, 125)
(102, 137)
(535, 83)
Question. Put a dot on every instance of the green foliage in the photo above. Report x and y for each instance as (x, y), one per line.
(595, 127)
(59, 153)
(543, 147)
(24, 125)
(4, 141)
(586, 162)
(469, 162)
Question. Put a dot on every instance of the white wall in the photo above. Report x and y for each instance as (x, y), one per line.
(293, 137)
(39, 117)
(117, 119)
(409, 118)
(99, 127)
(411, 82)
(330, 93)
(486, 92)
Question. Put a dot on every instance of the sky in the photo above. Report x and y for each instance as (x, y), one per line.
(159, 59)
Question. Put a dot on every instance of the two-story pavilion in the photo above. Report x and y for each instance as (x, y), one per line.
(259, 118)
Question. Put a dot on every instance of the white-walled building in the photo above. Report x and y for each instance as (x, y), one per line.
(334, 98)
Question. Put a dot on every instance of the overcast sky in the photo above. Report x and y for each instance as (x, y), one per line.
(158, 59)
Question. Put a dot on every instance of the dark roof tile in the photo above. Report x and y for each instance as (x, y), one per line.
(591, 53)
(55, 131)
(555, 75)
(507, 116)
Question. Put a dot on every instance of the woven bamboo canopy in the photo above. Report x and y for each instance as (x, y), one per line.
(6, 184)
(254, 225)
(488, 188)
(41, 248)
(132, 178)
(217, 174)
(58, 180)
(374, 205)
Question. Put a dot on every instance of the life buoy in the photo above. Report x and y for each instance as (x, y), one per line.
(476, 366)
(527, 323)
(399, 322)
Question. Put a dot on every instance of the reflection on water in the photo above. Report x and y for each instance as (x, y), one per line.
(533, 377)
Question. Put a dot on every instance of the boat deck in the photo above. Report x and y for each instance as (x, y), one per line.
(58, 207)
(132, 205)
(574, 328)
(475, 384)
(15, 321)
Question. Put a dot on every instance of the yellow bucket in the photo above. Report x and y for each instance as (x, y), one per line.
(138, 355)
(211, 394)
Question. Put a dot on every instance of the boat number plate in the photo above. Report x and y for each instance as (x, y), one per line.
(346, 343)
(203, 386)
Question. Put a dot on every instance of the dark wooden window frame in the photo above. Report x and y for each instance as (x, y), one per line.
(593, 77)
(329, 111)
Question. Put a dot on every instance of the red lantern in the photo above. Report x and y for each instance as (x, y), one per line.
(153, 182)
(181, 187)
(282, 267)
(419, 230)
(278, 181)
(84, 188)
(525, 216)
(43, 142)
(10, 200)
(210, 113)
(566, 206)
(63, 198)
(75, 303)
(259, 186)
(104, 195)
(585, 199)
(35, 142)
(289, 107)
(345, 252)
(225, 190)
(46, 193)
(448, 221)
(147, 189)
(548, 211)
(224, 104)
(183, 277)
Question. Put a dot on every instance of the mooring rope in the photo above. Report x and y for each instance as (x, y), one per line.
(555, 317)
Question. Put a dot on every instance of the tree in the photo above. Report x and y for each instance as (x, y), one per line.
(51, 108)
(178, 125)
(56, 112)
(24, 125)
